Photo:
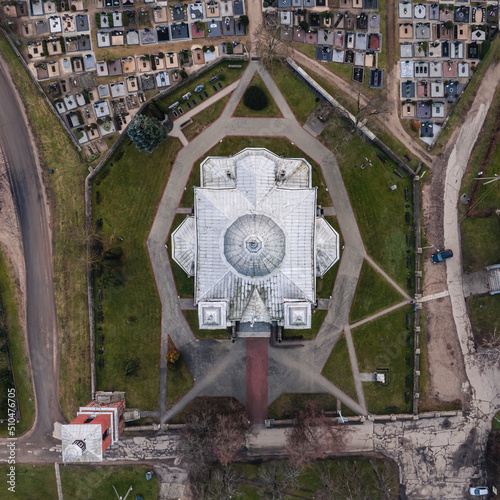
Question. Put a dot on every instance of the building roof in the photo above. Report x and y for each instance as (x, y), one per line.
(81, 442)
(254, 240)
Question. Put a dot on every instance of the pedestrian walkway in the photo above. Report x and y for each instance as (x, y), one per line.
(218, 367)
(257, 380)
(434, 296)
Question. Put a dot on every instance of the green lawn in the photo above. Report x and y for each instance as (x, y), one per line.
(301, 99)
(66, 192)
(351, 478)
(285, 406)
(324, 286)
(191, 317)
(179, 379)
(278, 145)
(183, 283)
(126, 194)
(338, 369)
(87, 482)
(373, 294)
(481, 233)
(225, 75)
(484, 315)
(380, 212)
(496, 422)
(317, 318)
(36, 482)
(9, 319)
(270, 111)
(386, 343)
(480, 242)
(205, 118)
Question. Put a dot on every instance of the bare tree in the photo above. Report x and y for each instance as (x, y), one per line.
(313, 436)
(269, 45)
(377, 105)
(345, 481)
(214, 432)
(277, 478)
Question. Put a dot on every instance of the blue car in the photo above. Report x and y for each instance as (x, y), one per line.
(440, 256)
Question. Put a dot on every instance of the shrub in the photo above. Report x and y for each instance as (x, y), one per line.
(448, 25)
(131, 367)
(266, 4)
(304, 25)
(172, 356)
(73, 8)
(183, 74)
(255, 98)
(415, 126)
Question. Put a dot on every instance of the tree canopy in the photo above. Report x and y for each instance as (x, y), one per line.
(146, 133)
(255, 98)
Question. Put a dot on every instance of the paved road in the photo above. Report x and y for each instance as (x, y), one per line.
(28, 194)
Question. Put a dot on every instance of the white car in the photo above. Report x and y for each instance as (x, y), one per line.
(478, 491)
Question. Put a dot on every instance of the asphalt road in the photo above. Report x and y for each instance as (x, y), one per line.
(28, 197)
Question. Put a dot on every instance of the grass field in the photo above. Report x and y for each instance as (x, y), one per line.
(183, 283)
(36, 482)
(191, 317)
(301, 99)
(126, 194)
(225, 76)
(380, 212)
(324, 286)
(286, 405)
(351, 478)
(373, 294)
(485, 316)
(66, 193)
(179, 379)
(338, 369)
(270, 111)
(386, 343)
(88, 482)
(481, 235)
(9, 319)
(278, 145)
(317, 318)
(205, 118)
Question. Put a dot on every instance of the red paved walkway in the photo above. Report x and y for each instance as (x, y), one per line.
(257, 380)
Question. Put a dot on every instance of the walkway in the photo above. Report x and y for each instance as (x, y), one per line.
(217, 365)
(257, 370)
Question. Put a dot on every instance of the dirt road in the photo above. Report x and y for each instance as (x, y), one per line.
(28, 192)
(448, 372)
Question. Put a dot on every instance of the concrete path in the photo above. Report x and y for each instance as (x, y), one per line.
(434, 296)
(381, 313)
(387, 277)
(476, 283)
(354, 366)
(217, 365)
(58, 481)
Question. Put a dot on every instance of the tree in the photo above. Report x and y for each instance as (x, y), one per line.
(313, 436)
(448, 25)
(146, 133)
(214, 432)
(269, 46)
(375, 106)
(244, 21)
(277, 478)
(255, 98)
(304, 25)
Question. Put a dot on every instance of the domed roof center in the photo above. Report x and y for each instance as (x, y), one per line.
(254, 245)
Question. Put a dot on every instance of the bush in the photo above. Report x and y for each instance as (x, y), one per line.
(304, 25)
(183, 74)
(172, 356)
(266, 4)
(415, 126)
(255, 98)
(131, 367)
(73, 8)
(448, 25)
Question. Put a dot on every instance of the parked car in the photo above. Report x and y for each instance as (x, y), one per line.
(478, 491)
(440, 256)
